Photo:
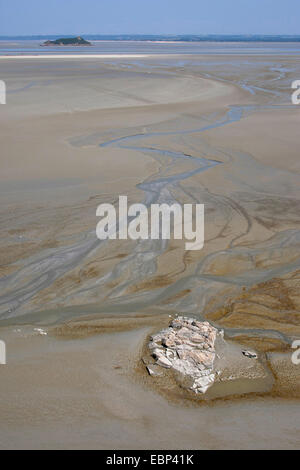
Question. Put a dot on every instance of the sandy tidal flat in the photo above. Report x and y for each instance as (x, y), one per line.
(76, 133)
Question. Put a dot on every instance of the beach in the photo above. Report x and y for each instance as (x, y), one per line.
(212, 126)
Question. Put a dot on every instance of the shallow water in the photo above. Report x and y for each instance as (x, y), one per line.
(16, 47)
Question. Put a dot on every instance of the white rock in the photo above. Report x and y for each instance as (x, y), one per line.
(250, 354)
(154, 370)
(188, 347)
(164, 362)
(157, 352)
(203, 383)
(153, 345)
(40, 331)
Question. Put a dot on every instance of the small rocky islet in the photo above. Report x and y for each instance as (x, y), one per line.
(202, 362)
(78, 41)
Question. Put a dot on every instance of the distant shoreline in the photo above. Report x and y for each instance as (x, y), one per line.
(167, 38)
(76, 56)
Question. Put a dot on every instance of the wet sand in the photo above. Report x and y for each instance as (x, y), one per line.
(77, 133)
(85, 393)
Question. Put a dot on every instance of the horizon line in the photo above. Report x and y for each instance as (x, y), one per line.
(154, 34)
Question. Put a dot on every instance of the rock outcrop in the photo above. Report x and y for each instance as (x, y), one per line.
(79, 41)
(188, 348)
(203, 362)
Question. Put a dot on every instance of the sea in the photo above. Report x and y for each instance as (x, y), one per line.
(158, 44)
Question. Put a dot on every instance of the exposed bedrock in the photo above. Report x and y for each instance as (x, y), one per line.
(203, 362)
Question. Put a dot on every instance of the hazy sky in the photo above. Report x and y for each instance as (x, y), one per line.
(149, 16)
